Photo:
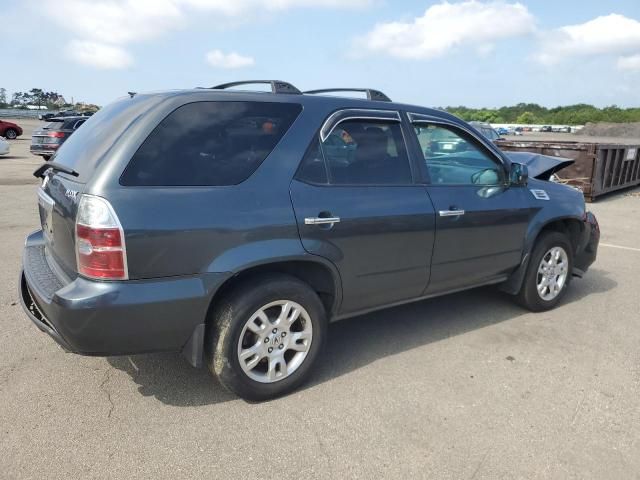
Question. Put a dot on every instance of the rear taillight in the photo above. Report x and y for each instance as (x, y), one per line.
(56, 134)
(100, 245)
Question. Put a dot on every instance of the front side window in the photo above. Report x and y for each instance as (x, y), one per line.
(210, 144)
(367, 152)
(454, 158)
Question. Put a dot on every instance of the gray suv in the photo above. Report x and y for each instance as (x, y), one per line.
(234, 225)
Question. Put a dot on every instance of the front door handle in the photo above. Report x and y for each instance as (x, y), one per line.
(321, 220)
(451, 213)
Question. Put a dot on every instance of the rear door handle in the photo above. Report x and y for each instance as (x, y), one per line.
(451, 213)
(321, 220)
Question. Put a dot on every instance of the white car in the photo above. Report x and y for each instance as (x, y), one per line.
(4, 146)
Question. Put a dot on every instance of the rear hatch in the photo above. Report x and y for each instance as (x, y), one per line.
(83, 152)
(41, 135)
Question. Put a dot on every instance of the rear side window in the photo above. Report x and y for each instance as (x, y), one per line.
(367, 152)
(210, 144)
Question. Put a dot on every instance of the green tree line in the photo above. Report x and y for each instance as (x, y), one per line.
(35, 96)
(531, 113)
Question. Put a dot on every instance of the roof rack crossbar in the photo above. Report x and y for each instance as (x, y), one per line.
(277, 86)
(371, 93)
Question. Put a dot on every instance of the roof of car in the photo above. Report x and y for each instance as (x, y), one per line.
(332, 101)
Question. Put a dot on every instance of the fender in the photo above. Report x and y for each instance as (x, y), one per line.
(565, 203)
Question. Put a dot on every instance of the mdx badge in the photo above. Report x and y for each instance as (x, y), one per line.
(72, 194)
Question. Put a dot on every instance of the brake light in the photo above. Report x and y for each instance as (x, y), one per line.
(56, 134)
(100, 245)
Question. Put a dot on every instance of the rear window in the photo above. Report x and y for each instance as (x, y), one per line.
(210, 144)
(86, 148)
(53, 125)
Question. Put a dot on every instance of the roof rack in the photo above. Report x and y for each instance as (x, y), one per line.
(371, 93)
(277, 86)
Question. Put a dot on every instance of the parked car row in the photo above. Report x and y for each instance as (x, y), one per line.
(64, 113)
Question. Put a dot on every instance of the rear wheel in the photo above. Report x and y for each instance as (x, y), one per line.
(10, 133)
(548, 273)
(264, 338)
(46, 157)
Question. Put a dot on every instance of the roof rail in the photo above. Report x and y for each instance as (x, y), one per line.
(277, 86)
(371, 93)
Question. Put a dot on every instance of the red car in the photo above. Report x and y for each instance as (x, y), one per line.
(9, 130)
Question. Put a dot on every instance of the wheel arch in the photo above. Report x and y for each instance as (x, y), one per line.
(316, 272)
(569, 225)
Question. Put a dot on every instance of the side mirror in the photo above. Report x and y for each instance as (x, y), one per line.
(519, 174)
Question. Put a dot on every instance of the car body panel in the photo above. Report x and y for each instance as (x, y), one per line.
(485, 242)
(382, 244)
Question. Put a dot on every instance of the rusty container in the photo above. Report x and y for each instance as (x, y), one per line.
(599, 168)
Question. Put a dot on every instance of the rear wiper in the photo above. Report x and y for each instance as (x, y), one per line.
(40, 171)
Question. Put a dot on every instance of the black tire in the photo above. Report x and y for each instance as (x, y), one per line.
(227, 321)
(10, 134)
(528, 296)
(46, 157)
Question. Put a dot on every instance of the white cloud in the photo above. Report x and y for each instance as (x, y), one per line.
(632, 62)
(99, 55)
(611, 34)
(446, 26)
(118, 23)
(219, 59)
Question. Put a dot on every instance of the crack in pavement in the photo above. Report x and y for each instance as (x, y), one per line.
(105, 380)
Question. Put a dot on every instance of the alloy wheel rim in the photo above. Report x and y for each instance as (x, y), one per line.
(275, 341)
(552, 273)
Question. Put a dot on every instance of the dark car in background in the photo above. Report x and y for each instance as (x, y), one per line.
(63, 113)
(47, 140)
(9, 130)
(487, 130)
(233, 226)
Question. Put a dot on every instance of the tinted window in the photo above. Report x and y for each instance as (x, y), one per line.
(362, 152)
(53, 125)
(454, 158)
(312, 168)
(210, 143)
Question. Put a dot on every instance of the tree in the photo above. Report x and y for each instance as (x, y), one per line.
(526, 118)
(3, 97)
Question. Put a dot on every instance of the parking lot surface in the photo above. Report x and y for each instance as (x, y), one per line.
(463, 386)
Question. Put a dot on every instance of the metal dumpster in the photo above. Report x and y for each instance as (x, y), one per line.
(599, 168)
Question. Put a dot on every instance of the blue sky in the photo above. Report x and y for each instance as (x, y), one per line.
(471, 52)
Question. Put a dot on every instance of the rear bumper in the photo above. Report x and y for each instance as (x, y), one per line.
(588, 247)
(43, 149)
(113, 318)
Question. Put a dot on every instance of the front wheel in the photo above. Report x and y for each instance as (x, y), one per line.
(548, 273)
(264, 338)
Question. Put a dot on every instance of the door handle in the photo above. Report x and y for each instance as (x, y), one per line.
(451, 213)
(321, 220)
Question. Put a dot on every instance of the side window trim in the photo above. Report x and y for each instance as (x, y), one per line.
(420, 118)
(343, 115)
